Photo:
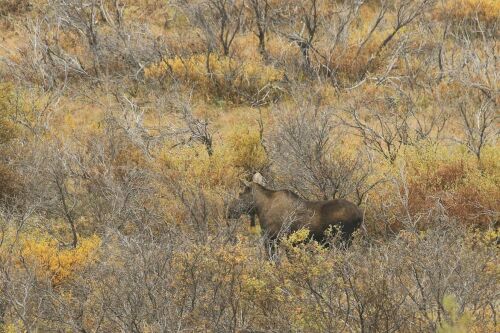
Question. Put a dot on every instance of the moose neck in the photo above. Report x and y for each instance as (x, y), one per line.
(260, 195)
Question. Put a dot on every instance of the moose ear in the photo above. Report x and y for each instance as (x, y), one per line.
(245, 183)
(257, 178)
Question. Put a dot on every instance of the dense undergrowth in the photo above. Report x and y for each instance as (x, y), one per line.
(127, 126)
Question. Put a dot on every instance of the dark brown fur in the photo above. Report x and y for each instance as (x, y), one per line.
(284, 211)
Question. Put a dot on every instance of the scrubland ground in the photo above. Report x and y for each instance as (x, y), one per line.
(126, 127)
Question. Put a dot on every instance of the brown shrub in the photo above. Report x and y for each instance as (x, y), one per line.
(14, 7)
(465, 192)
(10, 184)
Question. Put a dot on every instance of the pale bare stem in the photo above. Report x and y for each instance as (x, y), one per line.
(127, 116)
(478, 126)
(191, 128)
(407, 11)
(441, 54)
(385, 136)
(409, 221)
(305, 153)
(262, 12)
(380, 16)
(33, 109)
(423, 124)
(476, 70)
(219, 20)
(299, 23)
(109, 49)
(112, 12)
(262, 139)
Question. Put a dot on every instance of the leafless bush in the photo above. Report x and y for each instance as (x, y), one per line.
(219, 21)
(191, 128)
(303, 22)
(406, 12)
(103, 179)
(32, 109)
(322, 31)
(50, 175)
(126, 46)
(306, 156)
(176, 123)
(478, 126)
(417, 287)
(139, 294)
(390, 122)
(170, 281)
(84, 39)
(201, 210)
(41, 62)
(474, 69)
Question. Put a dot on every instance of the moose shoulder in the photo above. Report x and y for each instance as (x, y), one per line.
(284, 211)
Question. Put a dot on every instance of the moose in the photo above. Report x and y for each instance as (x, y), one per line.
(283, 211)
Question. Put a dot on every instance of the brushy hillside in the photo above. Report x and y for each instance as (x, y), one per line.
(127, 126)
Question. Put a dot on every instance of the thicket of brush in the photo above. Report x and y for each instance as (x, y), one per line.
(126, 127)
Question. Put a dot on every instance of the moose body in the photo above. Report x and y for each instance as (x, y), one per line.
(283, 211)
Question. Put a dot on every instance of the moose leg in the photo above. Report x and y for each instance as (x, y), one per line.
(252, 219)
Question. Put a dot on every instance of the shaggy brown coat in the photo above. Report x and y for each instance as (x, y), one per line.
(283, 211)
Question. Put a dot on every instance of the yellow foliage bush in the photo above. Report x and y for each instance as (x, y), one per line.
(242, 153)
(10, 184)
(456, 323)
(487, 11)
(222, 76)
(194, 163)
(55, 263)
(7, 128)
(12, 327)
(297, 237)
(246, 151)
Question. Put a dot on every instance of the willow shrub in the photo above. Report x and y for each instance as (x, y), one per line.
(222, 77)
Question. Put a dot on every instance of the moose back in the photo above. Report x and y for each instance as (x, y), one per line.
(283, 211)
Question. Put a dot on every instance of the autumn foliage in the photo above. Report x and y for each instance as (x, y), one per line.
(127, 128)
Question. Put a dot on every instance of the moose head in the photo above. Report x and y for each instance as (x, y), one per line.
(244, 204)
